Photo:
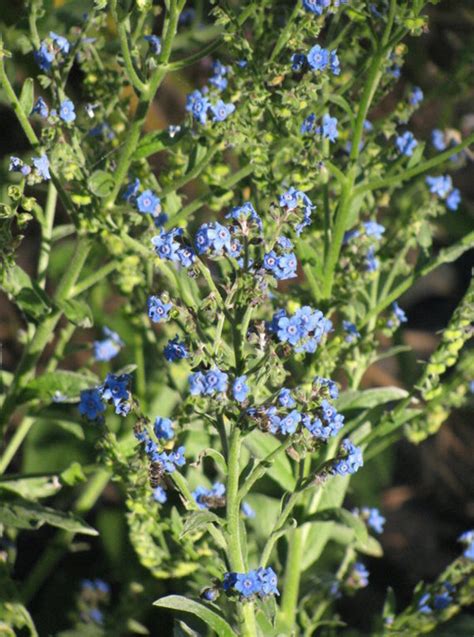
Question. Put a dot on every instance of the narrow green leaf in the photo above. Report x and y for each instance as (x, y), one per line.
(26, 293)
(214, 621)
(68, 384)
(31, 488)
(22, 514)
(27, 96)
(369, 398)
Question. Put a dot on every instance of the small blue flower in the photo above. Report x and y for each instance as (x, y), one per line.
(406, 143)
(41, 165)
(350, 461)
(371, 261)
(373, 518)
(17, 166)
(440, 186)
(329, 127)
(247, 584)
(40, 108)
(148, 202)
(66, 111)
(453, 199)
(285, 398)
(221, 111)
(157, 310)
(318, 58)
(159, 495)
(44, 57)
(240, 389)
(316, 6)
(60, 42)
(109, 347)
(198, 105)
(175, 350)
(163, 428)
(131, 191)
(351, 332)
(268, 581)
(358, 577)
(177, 457)
(91, 404)
(115, 387)
(467, 539)
(416, 96)
(298, 61)
(154, 43)
(327, 385)
(399, 316)
(309, 124)
(438, 139)
(247, 510)
(289, 423)
(373, 229)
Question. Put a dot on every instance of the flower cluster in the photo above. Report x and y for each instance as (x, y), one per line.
(327, 424)
(368, 235)
(318, 59)
(293, 201)
(416, 96)
(210, 498)
(260, 582)
(158, 310)
(114, 390)
(161, 461)
(170, 246)
(36, 173)
(442, 187)
(319, 6)
(175, 350)
(349, 461)
(406, 143)
(357, 578)
(208, 383)
(280, 261)
(107, 348)
(327, 129)
(163, 428)
(303, 331)
(201, 104)
(146, 202)
(54, 47)
(437, 601)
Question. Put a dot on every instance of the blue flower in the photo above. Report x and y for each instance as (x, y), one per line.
(163, 428)
(175, 350)
(373, 518)
(453, 199)
(149, 202)
(423, 606)
(247, 510)
(131, 191)
(17, 166)
(166, 247)
(358, 577)
(440, 186)
(157, 310)
(177, 457)
(261, 582)
(398, 317)
(245, 214)
(467, 538)
(115, 387)
(327, 385)
(416, 96)
(44, 57)
(285, 398)
(351, 332)
(41, 165)
(154, 43)
(60, 42)
(371, 261)
(90, 404)
(304, 329)
(438, 139)
(159, 495)
(240, 389)
(316, 6)
(221, 111)
(330, 127)
(210, 594)
(289, 423)
(196, 383)
(214, 238)
(66, 111)
(208, 383)
(198, 105)
(109, 347)
(40, 108)
(268, 581)
(350, 461)
(373, 229)
(406, 143)
(334, 63)
(247, 584)
(318, 58)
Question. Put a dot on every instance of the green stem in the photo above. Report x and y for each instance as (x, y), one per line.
(291, 585)
(46, 233)
(234, 544)
(132, 73)
(92, 279)
(20, 434)
(192, 174)
(195, 57)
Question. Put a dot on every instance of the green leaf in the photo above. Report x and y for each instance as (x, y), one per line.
(68, 384)
(417, 155)
(369, 398)
(78, 312)
(155, 142)
(27, 96)
(73, 475)
(344, 517)
(216, 456)
(345, 535)
(22, 514)
(214, 621)
(101, 183)
(261, 445)
(199, 520)
(27, 294)
(31, 488)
